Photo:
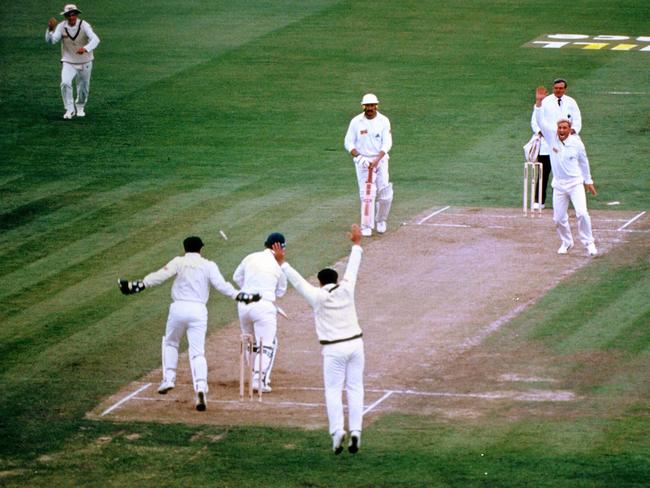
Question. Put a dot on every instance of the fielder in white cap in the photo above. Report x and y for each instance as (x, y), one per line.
(369, 140)
(78, 41)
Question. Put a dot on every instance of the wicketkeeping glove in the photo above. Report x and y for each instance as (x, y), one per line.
(130, 287)
(248, 297)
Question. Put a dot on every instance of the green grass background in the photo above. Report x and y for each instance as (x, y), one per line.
(211, 115)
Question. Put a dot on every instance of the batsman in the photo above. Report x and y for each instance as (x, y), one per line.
(188, 313)
(368, 140)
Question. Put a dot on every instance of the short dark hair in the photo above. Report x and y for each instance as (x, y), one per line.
(192, 244)
(560, 80)
(327, 276)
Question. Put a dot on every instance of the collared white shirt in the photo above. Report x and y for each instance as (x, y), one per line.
(259, 272)
(369, 136)
(569, 160)
(194, 275)
(567, 109)
(334, 310)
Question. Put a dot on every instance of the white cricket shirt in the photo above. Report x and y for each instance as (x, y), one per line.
(194, 275)
(369, 136)
(259, 272)
(334, 311)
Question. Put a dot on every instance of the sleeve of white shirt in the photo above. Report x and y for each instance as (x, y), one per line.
(533, 122)
(281, 287)
(583, 162)
(93, 40)
(306, 289)
(162, 275)
(54, 36)
(547, 131)
(218, 281)
(386, 137)
(352, 269)
(238, 275)
(576, 118)
(350, 137)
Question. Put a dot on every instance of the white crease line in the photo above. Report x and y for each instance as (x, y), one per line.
(369, 408)
(625, 93)
(125, 399)
(433, 214)
(633, 219)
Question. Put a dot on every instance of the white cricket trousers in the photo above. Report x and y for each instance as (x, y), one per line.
(577, 196)
(82, 73)
(189, 318)
(260, 319)
(343, 365)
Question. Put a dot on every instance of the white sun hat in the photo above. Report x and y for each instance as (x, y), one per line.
(70, 7)
(369, 99)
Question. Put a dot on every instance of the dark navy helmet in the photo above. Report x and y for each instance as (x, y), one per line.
(273, 238)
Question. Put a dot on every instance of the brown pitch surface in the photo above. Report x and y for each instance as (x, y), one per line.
(429, 293)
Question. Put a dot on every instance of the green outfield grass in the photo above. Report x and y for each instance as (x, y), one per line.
(207, 116)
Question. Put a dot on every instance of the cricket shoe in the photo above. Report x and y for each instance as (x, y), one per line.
(564, 249)
(592, 250)
(337, 441)
(80, 112)
(366, 232)
(536, 206)
(381, 227)
(165, 386)
(201, 401)
(355, 442)
(68, 114)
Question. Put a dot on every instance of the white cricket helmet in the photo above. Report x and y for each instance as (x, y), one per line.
(70, 7)
(369, 99)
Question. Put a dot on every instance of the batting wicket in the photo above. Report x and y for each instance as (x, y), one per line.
(246, 356)
(533, 173)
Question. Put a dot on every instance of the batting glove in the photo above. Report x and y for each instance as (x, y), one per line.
(362, 161)
(130, 287)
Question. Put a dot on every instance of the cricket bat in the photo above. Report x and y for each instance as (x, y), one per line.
(368, 204)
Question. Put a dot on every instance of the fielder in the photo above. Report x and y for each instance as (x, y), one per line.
(369, 140)
(571, 176)
(339, 333)
(258, 273)
(187, 313)
(78, 41)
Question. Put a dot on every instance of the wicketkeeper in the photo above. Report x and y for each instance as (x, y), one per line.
(188, 313)
(369, 140)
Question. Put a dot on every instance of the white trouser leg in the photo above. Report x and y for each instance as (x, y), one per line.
(260, 320)
(384, 202)
(561, 200)
(334, 378)
(83, 84)
(68, 74)
(579, 201)
(354, 386)
(192, 318)
(196, 351)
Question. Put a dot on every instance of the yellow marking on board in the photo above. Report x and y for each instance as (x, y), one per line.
(593, 45)
(624, 47)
